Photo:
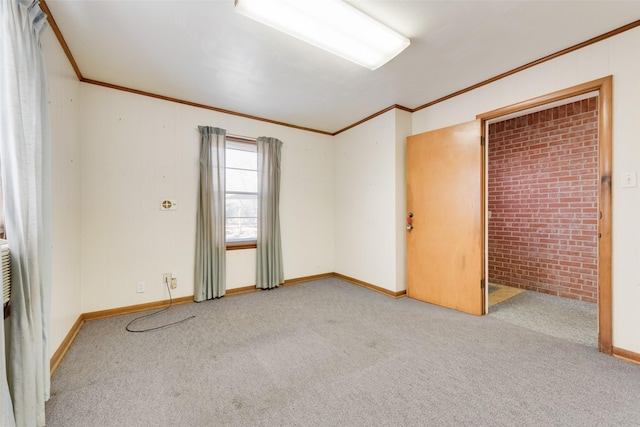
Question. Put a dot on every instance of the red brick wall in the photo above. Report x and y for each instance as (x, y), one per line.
(543, 198)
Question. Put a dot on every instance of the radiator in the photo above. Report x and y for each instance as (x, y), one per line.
(6, 271)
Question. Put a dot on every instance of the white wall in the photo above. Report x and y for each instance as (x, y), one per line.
(342, 204)
(64, 104)
(369, 200)
(615, 56)
(403, 129)
(137, 151)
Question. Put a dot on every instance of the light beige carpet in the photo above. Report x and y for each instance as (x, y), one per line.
(329, 353)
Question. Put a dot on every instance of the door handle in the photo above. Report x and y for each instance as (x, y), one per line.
(410, 221)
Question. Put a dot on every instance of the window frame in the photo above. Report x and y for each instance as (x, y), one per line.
(239, 244)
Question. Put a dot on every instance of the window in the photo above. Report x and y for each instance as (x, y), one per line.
(241, 192)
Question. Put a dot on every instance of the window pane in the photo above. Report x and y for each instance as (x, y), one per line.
(242, 229)
(241, 159)
(241, 177)
(242, 181)
(241, 205)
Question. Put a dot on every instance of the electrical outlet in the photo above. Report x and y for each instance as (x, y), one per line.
(140, 287)
(170, 279)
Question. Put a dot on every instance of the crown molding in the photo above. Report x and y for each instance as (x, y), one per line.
(197, 105)
(531, 64)
(65, 48)
(63, 43)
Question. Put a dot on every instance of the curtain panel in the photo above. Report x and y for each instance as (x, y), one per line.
(269, 269)
(25, 172)
(211, 244)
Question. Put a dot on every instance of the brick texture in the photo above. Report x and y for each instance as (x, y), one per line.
(543, 199)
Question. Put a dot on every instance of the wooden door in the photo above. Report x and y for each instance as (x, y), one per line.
(445, 195)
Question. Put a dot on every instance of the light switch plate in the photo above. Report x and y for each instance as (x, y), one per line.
(630, 179)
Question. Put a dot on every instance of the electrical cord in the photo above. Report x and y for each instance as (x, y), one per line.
(154, 314)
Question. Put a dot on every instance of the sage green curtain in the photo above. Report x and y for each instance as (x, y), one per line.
(211, 250)
(269, 271)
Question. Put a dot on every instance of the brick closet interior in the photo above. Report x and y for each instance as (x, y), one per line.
(543, 199)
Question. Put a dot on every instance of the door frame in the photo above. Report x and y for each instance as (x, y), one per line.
(604, 87)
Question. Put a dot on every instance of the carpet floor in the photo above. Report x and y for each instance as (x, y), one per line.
(564, 318)
(329, 353)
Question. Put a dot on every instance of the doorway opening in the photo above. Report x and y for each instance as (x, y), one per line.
(542, 214)
(548, 198)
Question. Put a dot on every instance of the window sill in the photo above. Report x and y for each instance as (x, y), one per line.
(241, 245)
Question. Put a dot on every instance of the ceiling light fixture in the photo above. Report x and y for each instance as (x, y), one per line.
(332, 25)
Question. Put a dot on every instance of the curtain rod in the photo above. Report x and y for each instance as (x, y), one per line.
(241, 137)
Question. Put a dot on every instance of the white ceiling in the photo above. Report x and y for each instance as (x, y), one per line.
(203, 52)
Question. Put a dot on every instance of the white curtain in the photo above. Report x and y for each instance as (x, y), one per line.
(211, 242)
(269, 270)
(25, 173)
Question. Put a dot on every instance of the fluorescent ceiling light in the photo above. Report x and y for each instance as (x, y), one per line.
(332, 25)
